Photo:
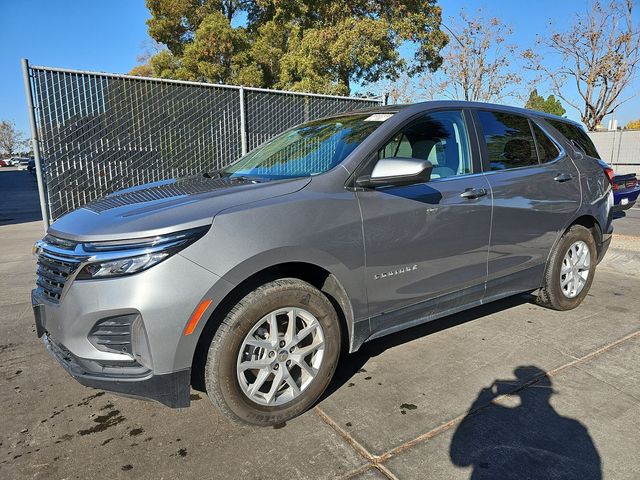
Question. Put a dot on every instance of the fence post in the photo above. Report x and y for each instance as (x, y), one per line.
(35, 142)
(243, 124)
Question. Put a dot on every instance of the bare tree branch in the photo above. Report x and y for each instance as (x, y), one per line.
(477, 65)
(600, 54)
(11, 139)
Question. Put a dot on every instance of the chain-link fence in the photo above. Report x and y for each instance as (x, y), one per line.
(619, 148)
(97, 133)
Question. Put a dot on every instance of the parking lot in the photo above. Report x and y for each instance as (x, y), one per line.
(565, 401)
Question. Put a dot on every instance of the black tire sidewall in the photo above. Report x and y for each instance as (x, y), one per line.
(576, 233)
(225, 348)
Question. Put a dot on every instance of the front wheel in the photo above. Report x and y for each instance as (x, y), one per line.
(570, 270)
(274, 353)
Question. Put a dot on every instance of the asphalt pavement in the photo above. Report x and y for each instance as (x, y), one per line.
(506, 390)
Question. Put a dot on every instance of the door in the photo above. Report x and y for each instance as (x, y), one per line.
(430, 240)
(536, 192)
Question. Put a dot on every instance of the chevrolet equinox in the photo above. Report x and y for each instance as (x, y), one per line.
(249, 281)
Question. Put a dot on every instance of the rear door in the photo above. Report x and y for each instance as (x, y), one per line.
(428, 240)
(536, 192)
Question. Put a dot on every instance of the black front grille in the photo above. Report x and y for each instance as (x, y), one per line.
(53, 273)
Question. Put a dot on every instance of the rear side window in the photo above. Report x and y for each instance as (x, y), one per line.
(509, 140)
(576, 136)
(547, 150)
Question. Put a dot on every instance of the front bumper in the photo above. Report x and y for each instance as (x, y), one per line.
(171, 389)
(162, 299)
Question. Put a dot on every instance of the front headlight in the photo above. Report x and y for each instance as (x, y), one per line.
(126, 257)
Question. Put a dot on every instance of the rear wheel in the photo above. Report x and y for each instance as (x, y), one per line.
(274, 353)
(570, 270)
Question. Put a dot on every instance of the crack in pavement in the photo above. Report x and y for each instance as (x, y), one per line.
(377, 461)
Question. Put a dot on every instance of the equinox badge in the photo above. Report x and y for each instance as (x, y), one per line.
(398, 271)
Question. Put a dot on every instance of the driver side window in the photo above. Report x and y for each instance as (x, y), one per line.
(439, 137)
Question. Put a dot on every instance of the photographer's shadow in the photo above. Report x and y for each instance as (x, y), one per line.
(528, 441)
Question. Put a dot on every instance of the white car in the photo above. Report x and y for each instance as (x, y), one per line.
(15, 161)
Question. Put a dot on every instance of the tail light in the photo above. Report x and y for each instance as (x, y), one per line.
(631, 183)
(610, 175)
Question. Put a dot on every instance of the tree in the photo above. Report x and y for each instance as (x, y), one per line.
(477, 64)
(549, 105)
(11, 139)
(599, 55)
(633, 125)
(308, 45)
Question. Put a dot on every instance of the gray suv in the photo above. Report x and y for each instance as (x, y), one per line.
(248, 282)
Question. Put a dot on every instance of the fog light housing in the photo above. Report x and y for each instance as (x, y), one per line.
(140, 343)
(113, 334)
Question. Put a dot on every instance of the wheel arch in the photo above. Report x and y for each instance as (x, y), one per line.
(318, 276)
(589, 222)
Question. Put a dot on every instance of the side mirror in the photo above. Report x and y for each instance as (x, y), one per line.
(397, 171)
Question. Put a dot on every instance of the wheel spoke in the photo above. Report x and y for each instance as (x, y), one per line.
(291, 382)
(304, 333)
(304, 366)
(260, 379)
(259, 343)
(291, 326)
(304, 351)
(254, 365)
(275, 386)
(273, 329)
(566, 280)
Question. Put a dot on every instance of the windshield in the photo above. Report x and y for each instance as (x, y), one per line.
(309, 149)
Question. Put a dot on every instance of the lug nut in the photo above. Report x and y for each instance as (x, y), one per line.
(288, 363)
(282, 343)
(275, 367)
(292, 349)
(271, 354)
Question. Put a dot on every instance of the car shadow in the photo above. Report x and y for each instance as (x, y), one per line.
(527, 441)
(350, 364)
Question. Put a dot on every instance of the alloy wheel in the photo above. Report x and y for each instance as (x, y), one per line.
(280, 356)
(575, 268)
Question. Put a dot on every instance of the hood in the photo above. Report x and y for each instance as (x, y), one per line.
(164, 207)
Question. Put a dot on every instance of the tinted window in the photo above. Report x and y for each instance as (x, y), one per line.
(439, 137)
(308, 149)
(547, 150)
(577, 136)
(509, 140)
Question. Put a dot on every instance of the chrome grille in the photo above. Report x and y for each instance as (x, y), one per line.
(54, 270)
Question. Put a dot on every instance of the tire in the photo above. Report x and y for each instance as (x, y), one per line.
(250, 321)
(557, 293)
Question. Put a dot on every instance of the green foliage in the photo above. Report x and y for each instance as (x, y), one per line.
(310, 45)
(549, 105)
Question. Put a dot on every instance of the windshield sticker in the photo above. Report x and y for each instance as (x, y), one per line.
(378, 117)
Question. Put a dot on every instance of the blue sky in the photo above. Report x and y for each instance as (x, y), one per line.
(109, 35)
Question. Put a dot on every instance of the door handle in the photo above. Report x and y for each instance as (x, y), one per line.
(472, 193)
(563, 177)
